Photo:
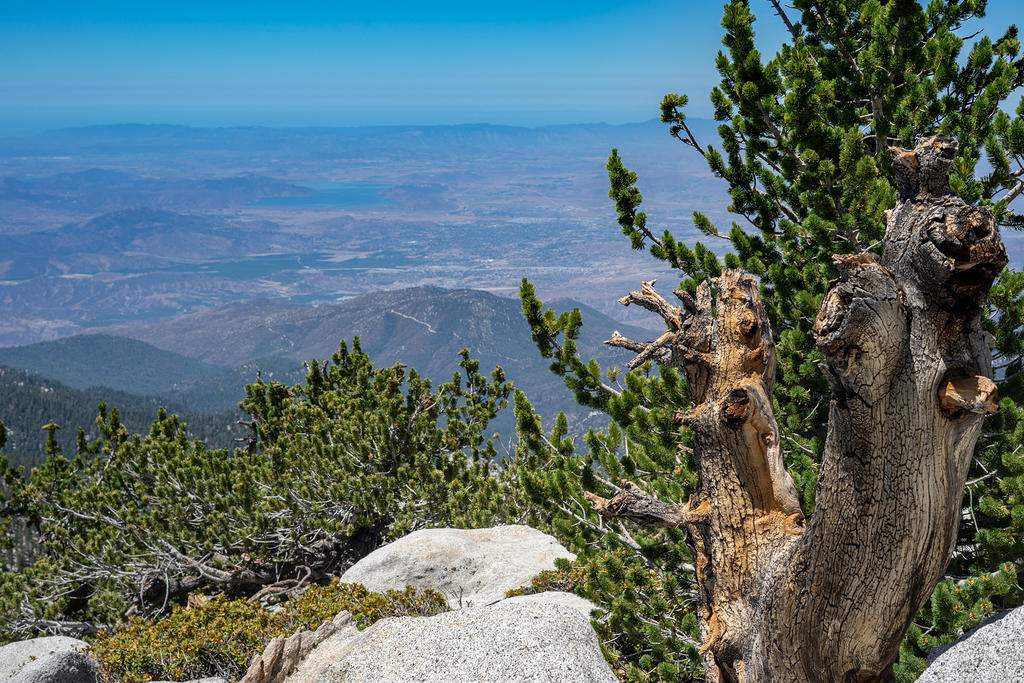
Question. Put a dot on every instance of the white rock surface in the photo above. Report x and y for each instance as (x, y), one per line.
(470, 567)
(992, 653)
(582, 605)
(53, 659)
(510, 642)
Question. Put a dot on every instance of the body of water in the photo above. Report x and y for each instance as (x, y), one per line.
(334, 194)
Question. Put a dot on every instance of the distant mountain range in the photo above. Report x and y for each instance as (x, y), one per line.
(329, 142)
(199, 363)
(423, 327)
(256, 240)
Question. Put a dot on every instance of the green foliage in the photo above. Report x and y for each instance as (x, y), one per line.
(641, 578)
(351, 458)
(321, 603)
(217, 639)
(221, 637)
(7, 478)
(955, 607)
(804, 139)
(636, 595)
(402, 456)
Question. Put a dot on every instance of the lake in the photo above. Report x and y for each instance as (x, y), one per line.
(334, 194)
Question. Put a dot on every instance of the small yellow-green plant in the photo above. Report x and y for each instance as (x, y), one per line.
(321, 603)
(569, 578)
(221, 637)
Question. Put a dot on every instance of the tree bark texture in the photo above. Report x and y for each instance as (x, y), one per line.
(909, 365)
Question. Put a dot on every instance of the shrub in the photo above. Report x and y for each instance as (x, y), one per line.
(353, 457)
(221, 637)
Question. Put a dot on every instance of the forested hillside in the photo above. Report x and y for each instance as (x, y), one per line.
(180, 363)
(27, 402)
(85, 361)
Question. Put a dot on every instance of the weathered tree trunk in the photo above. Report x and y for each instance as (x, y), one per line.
(909, 366)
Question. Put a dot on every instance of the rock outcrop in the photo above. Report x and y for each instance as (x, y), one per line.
(991, 653)
(509, 641)
(544, 636)
(488, 638)
(470, 567)
(54, 659)
(283, 655)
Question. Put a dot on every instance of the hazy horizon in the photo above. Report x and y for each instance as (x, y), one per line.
(289, 124)
(344, 64)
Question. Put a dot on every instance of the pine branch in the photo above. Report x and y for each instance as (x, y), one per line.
(782, 15)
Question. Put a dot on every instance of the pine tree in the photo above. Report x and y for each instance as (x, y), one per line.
(336, 465)
(807, 145)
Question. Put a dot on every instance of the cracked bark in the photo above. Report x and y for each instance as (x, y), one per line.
(909, 365)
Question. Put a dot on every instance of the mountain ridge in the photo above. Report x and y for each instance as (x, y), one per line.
(100, 360)
(413, 309)
(424, 327)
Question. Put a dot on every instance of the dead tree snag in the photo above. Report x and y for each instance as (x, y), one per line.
(909, 367)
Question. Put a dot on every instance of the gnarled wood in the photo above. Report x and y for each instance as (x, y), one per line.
(974, 394)
(745, 504)
(909, 367)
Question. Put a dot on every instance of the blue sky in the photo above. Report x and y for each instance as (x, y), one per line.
(342, 63)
